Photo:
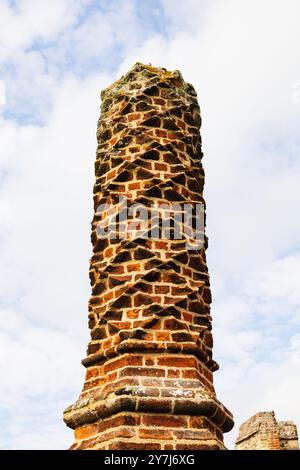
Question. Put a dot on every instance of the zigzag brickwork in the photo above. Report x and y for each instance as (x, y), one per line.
(149, 377)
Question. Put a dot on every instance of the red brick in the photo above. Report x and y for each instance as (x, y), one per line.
(142, 371)
(148, 296)
(165, 421)
(175, 361)
(125, 445)
(86, 431)
(155, 434)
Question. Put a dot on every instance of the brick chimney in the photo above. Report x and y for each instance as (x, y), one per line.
(263, 432)
(149, 365)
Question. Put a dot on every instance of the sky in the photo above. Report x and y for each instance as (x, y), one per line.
(243, 57)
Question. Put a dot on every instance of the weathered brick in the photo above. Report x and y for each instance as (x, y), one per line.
(161, 434)
(126, 445)
(151, 345)
(122, 362)
(175, 361)
(263, 432)
(86, 431)
(142, 371)
(165, 421)
(155, 405)
(162, 336)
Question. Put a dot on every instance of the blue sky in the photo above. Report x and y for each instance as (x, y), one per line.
(55, 57)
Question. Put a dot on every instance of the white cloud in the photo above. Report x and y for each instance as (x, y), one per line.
(190, 15)
(262, 386)
(30, 20)
(45, 212)
(38, 373)
(48, 193)
(295, 96)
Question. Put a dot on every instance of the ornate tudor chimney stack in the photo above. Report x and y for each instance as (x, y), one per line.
(149, 377)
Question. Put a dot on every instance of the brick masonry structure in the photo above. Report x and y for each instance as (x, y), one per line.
(149, 377)
(263, 432)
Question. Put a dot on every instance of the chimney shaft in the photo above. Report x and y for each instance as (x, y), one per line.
(149, 377)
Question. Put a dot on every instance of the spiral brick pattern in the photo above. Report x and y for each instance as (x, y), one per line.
(149, 382)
